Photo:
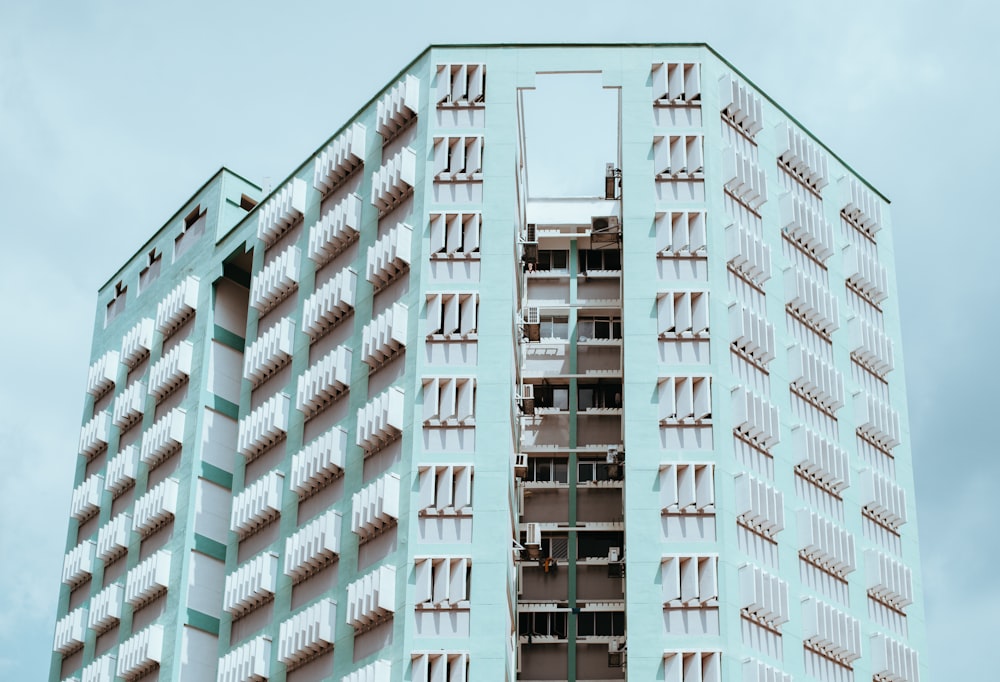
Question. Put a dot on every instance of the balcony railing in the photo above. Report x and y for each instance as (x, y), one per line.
(129, 405)
(257, 505)
(178, 306)
(313, 546)
(251, 585)
(307, 633)
(148, 580)
(337, 229)
(281, 211)
(319, 462)
(263, 427)
(270, 352)
(249, 661)
(87, 498)
(372, 598)
(340, 158)
(137, 342)
(113, 538)
(163, 438)
(331, 302)
(156, 508)
(122, 470)
(102, 374)
(141, 653)
(276, 280)
(171, 370)
(106, 608)
(94, 435)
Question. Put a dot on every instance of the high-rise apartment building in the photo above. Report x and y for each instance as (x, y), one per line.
(403, 419)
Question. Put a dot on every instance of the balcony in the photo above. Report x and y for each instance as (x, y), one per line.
(106, 608)
(377, 671)
(156, 508)
(249, 661)
(78, 564)
(324, 382)
(178, 306)
(71, 631)
(113, 538)
(825, 544)
(398, 107)
(758, 506)
(276, 281)
(313, 546)
(371, 600)
(331, 303)
(148, 580)
(137, 342)
(806, 226)
(94, 435)
(375, 507)
(822, 462)
(263, 427)
(394, 181)
(102, 374)
(87, 498)
(163, 438)
(747, 255)
(281, 211)
(389, 257)
(861, 207)
(270, 352)
(129, 405)
(251, 585)
(741, 105)
(802, 157)
(888, 581)
(815, 379)
(141, 653)
(171, 370)
(340, 158)
(335, 231)
(752, 335)
(384, 336)
(870, 346)
(122, 470)
(866, 275)
(307, 634)
(380, 421)
(755, 419)
(258, 505)
(877, 422)
(763, 597)
(744, 179)
(101, 670)
(811, 302)
(830, 632)
(892, 661)
(882, 500)
(319, 462)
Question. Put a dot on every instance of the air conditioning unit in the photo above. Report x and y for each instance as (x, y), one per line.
(532, 323)
(533, 540)
(615, 654)
(614, 554)
(521, 465)
(527, 399)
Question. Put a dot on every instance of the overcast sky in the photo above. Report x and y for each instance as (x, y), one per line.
(112, 114)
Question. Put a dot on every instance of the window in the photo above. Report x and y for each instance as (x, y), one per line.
(542, 624)
(455, 234)
(554, 327)
(247, 203)
(458, 158)
(154, 260)
(442, 582)
(605, 328)
(678, 157)
(604, 395)
(676, 83)
(449, 401)
(600, 623)
(682, 314)
(680, 233)
(193, 228)
(552, 260)
(687, 488)
(452, 315)
(445, 489)
(593, 470)
(690, 581)
(547, 395)
(548, 469)
(685, 399)
(461, 83)
(599, 259)
(117, 303)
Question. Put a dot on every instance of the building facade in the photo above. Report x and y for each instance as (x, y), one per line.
(403, 419)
